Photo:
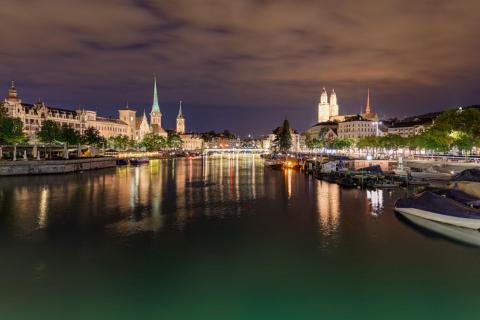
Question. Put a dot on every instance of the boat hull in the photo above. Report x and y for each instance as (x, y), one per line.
(464, 235)
(455, 221)
(137, 162)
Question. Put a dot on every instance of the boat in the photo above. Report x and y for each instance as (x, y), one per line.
(386, 185)
(347, 182)
(275, 164)
(440, 208)
(459, 234)
(122, 162)
(139, 161)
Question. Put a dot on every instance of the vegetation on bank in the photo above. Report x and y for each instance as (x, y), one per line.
(210, 135)
(452, 129)
(283, 137)
(11, 129)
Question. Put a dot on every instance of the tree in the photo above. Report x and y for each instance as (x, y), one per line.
(209, 136)
(229, 135)
(339, 143)
(120, 142)
(11, 129)
(174, 141)
(69, 135)
(153, 142)
(92, 137)
(310, 141)
(283, 137)
(50, 132)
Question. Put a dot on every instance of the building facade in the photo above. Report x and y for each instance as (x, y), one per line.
(357, 127)
(33, 116)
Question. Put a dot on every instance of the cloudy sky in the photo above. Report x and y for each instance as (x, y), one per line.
(243, 65)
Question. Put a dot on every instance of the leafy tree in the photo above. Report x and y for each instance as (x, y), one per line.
(92, 137)
(174, 141)
(310, 141)
(209, 136)
(229, 135)
(121, 142)
(153, 142)
(50, 132)
(283, 137)
(69, 135)
(11, 129)
(340, 143)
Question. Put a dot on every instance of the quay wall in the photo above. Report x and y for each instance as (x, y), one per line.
(33, 167)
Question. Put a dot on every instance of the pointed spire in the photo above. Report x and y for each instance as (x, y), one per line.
(155, 106)
(367, 108)
(180, 114)
(12, 92)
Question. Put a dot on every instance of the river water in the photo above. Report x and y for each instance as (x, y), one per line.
(221, 238)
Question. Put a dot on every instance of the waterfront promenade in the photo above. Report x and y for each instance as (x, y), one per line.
(34, 167)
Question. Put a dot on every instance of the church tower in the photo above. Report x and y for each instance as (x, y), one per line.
(323, 107)
(180, 120)
(333, 104)
(155, 114)
(368, 109)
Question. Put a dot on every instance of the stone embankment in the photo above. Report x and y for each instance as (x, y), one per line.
(33, 167)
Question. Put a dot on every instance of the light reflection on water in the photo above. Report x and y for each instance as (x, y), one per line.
(182, 237)
(375, 197)
(328, 206)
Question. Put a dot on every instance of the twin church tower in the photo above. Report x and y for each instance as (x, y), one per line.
(326, 109)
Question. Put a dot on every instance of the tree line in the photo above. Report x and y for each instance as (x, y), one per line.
(452, 129)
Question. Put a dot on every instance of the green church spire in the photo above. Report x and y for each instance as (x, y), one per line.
(155, 107)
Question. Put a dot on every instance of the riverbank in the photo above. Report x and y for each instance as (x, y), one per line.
(38, 167)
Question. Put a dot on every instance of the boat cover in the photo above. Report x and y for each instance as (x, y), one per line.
(372, 169)
(468, 175)
(432, 202)
(463, 197)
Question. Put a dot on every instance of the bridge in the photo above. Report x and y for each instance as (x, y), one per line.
(232, 150)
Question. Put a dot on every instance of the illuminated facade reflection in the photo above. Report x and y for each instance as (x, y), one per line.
(375, 199)
(328, 206)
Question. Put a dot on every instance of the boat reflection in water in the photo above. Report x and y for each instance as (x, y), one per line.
(425, 226)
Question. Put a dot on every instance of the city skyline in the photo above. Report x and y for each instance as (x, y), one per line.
(244, 66)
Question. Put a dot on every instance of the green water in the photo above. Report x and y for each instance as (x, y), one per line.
(221, 239)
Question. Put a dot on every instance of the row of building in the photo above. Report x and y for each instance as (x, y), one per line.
(127, 123)
(331, 124)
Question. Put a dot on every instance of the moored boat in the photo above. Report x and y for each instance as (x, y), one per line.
(435, 207)
(464, 235)
(139, 161)
(122, 162)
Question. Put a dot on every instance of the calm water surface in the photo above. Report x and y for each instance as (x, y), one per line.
(220, 239)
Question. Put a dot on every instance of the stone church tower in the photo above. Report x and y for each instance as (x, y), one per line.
(323, 107)
(333, 104)
(180, 121)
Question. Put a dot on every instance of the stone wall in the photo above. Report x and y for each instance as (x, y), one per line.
(21, 167)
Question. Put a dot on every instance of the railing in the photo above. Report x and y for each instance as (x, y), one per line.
(232, 150)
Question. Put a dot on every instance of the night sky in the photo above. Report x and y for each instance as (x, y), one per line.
(242, 65)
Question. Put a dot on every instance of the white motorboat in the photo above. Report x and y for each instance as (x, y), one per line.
(464, 235)
(434, 207)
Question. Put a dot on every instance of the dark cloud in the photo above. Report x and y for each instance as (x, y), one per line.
(250, 57)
